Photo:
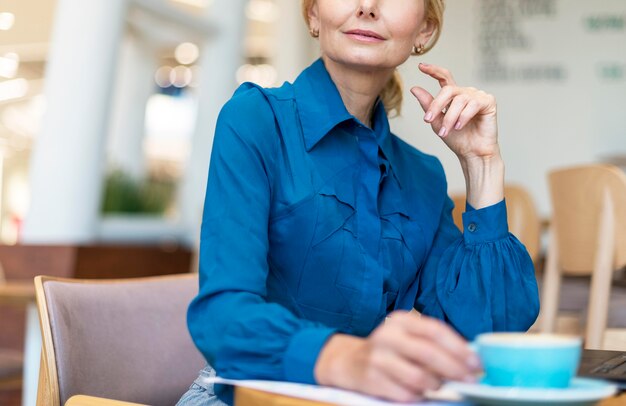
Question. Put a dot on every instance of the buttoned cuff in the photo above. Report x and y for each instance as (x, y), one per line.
(486, 224)
(302, 352)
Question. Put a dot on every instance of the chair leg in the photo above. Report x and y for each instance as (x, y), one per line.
(551, 287)
(602, 276)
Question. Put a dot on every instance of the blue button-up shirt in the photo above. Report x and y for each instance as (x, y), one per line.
(315, 224)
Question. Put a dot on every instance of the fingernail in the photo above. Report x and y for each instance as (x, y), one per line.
(457, 126)
(424, 64)
(442, 132)
(428, 116)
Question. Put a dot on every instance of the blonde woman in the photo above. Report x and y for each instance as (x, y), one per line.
(319, 223)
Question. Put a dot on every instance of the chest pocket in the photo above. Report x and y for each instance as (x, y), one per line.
(314, 248)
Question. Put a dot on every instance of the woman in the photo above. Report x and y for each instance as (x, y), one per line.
(319, 223)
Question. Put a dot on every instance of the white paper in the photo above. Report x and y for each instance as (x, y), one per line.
(332, 395)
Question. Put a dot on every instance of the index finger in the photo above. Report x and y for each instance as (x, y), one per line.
(445, 337)
(443, 76)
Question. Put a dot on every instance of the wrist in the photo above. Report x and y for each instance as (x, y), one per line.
(486, 160)
(484, 180)
(333, 360)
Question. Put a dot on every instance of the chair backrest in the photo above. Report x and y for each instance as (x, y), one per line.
(522, 217)
(459, 208)
(578, 197)
(119, 339)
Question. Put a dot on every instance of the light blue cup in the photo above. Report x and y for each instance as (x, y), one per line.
(528, 360)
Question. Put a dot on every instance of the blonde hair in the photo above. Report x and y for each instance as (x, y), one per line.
(391, 95)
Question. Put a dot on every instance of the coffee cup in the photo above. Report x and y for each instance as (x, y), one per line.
(528, 360)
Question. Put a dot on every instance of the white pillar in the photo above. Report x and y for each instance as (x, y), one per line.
(67, 161)
(293, 42)
(134, 86)
(32, 356)
(219, 60)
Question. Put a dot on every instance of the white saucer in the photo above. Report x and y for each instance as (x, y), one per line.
(582, 392)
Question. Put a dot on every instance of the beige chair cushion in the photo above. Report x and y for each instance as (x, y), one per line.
(125, 341)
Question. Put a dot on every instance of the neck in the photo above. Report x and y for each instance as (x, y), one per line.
(358, 88)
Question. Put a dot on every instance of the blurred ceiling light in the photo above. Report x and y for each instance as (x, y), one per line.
(9, 63)
(263, 75)
(186, 53)
(162, 76)
(181, 76)
(194, 3)
(13, 89)
(6, 21)
(262, 10)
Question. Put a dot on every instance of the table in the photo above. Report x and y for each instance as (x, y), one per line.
(252, 397)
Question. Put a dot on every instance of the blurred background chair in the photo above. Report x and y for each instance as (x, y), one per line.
(522, 217)
(125, 340)
(587, 238)
(20, 329)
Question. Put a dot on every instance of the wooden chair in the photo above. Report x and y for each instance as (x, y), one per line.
(522, 217)
(587, 237)
(109, 342)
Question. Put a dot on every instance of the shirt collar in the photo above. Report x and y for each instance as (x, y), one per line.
(321, 109)
(319, 103)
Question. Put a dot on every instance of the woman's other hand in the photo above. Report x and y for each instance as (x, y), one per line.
(401, 359)
(464, 117)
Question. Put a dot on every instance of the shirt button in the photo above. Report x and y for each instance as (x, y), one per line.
(471, 227)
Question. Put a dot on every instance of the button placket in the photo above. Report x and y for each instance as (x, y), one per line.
(368, 231)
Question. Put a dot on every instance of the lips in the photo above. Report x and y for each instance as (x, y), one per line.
(365, 33)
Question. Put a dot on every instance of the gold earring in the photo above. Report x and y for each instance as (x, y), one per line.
(418, 50)
(314, 33)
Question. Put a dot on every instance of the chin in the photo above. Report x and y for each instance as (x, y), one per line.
(366, 60)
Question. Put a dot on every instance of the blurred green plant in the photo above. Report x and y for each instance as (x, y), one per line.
(123, 194)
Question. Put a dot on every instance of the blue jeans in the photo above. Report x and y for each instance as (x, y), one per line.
(200, 392)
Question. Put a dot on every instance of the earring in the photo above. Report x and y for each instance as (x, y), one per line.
(314, 33)
(418, 50)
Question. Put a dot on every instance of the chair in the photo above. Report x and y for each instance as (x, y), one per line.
(522, 217)
(587, 237)
(116, 339)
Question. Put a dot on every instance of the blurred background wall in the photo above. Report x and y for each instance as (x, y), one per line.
(558, 71)
(107, 108)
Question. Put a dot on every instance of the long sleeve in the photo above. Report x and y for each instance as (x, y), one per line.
(479, 281)
(240, 333)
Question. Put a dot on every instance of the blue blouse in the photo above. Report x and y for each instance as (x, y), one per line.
(315, 224)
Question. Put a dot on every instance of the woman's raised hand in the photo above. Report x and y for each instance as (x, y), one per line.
(464, 117)
(401, 359)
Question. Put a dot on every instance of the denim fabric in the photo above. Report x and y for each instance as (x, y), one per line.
(200, 392)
